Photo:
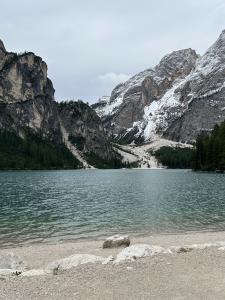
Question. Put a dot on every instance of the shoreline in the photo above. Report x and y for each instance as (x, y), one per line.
(193, 268)
(135, 236)
(37, 254)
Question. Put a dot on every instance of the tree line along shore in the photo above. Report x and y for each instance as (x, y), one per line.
(34, 152)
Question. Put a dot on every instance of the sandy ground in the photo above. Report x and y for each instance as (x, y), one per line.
(198, 274)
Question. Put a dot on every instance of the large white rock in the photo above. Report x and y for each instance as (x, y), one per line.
(116, 241)
(139, 250)
(74, 261)
(11, 261)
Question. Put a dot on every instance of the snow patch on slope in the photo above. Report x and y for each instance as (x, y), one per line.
(156, 114)
(110, 107)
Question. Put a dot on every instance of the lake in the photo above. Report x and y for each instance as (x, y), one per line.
(54, 206)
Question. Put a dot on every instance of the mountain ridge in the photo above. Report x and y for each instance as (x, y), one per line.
(161, 101)
(170, 104)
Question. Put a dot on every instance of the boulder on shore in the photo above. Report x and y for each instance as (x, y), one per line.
(74, 261)
(138, 251)
(116, 241)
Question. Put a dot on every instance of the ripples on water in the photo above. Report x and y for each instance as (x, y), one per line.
(51, 206)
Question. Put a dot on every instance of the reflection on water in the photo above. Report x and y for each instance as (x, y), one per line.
(50, 206)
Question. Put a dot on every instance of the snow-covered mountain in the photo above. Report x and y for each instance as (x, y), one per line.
(182, 96)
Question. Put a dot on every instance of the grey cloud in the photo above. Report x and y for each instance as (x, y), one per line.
(84, 40)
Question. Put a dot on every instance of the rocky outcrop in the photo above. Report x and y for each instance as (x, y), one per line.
(27, 96)
(178, 99)
(23, 77)
(27, 102)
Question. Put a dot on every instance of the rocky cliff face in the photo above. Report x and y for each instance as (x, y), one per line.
(83, 129)
(203, 92)
(27, 101)
(182, 96)
(27, 95)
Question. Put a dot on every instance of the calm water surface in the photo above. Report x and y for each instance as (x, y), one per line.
(52, 206)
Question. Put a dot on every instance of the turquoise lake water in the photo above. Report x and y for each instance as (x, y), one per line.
(53, 206)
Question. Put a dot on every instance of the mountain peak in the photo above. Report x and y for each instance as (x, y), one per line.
(2, 47)
(178, 59)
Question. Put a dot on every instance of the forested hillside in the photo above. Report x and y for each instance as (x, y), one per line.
(175, 158)
(210, 150)
(33, 152)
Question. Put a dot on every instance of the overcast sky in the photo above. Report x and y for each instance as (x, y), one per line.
(90, 46)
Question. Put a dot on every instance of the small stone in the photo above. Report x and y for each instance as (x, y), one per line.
(55, 270)
(116, 241)
(2, 278)
(184, 249)
(17, 273)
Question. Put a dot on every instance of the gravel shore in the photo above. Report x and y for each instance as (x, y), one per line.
(195, 274)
